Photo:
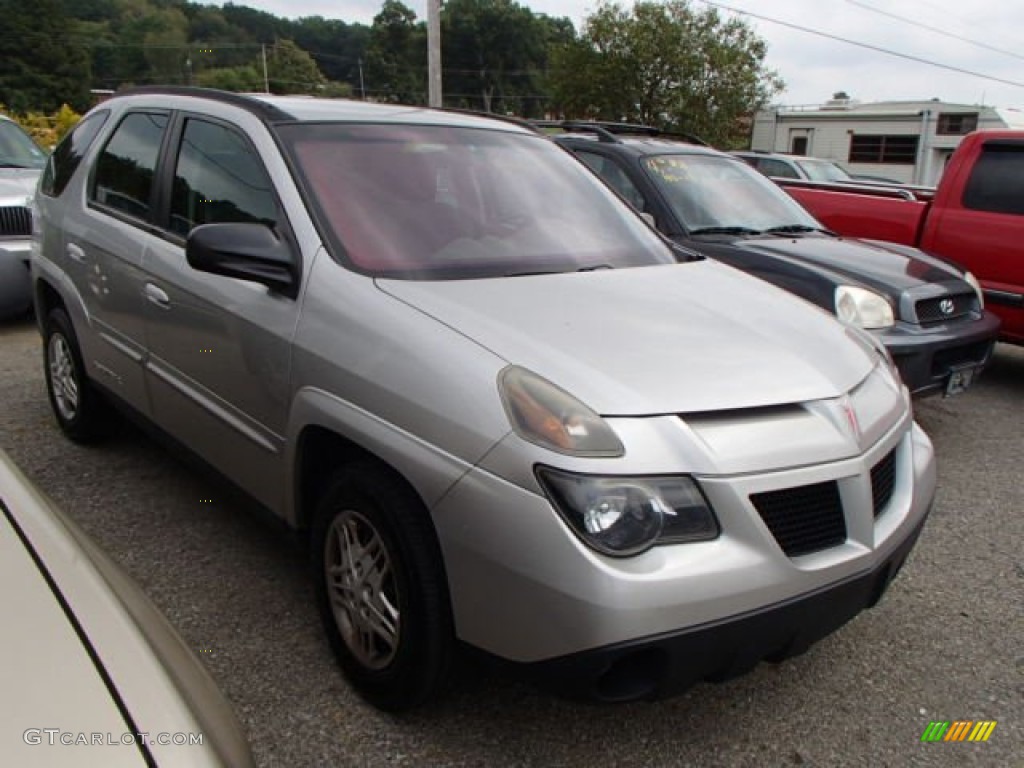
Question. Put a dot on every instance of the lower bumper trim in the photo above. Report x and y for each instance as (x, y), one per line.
(664, 665)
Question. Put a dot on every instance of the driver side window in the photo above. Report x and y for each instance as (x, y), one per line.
(218, 178)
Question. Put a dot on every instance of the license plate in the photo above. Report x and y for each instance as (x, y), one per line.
(960, 379)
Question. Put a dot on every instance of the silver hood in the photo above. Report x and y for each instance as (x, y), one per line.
(654, 340)
(17, 184)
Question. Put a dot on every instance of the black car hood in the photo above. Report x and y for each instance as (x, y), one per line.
(886, 268)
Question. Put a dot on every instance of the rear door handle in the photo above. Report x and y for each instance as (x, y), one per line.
(75, 253)
(156, 295)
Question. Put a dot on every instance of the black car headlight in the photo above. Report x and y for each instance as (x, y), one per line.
(622, 516)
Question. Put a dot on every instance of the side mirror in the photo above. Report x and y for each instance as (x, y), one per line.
(244, 251)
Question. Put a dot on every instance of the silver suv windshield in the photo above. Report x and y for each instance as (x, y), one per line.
(823, 170)
(714, 192)
(17, 150)
(442, 202)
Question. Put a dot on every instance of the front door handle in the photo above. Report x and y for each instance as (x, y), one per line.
(75, 253)
(157, 295)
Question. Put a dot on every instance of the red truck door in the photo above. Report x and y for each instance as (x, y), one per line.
(980, 225)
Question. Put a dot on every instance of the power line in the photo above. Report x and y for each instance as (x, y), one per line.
(868, 46)
(938, 31)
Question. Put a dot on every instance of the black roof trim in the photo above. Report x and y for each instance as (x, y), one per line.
(261, 109)
(609, 131)
(530, 125)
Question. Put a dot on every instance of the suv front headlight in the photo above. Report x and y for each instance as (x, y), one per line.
(623, 516)
(862, 308)
(972, 281)
(550, 417)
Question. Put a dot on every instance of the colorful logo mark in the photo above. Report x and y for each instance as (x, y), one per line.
(958, 730)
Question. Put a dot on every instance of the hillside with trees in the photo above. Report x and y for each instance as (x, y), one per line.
(663, 64)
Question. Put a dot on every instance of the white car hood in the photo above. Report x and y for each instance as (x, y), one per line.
(681, 338)
(47, 679)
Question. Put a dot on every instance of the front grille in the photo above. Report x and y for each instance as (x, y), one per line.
(942, 309)
(883, 482)
(966, 354)
(804, 519)
(15, 220)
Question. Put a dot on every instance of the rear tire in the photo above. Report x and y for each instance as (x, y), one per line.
(81, 412)
(381, 587)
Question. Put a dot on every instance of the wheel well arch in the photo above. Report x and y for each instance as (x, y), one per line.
(319, 451)
(46, 298)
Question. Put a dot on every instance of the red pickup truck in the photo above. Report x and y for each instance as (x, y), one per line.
(975, 217)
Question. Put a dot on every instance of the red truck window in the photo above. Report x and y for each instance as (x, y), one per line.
(997, 180)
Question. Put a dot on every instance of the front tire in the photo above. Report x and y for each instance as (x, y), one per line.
(81, 412)
(381, 588)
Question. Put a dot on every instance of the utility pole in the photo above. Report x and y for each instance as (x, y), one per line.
(266, 80)
(362, 84)
(434, 97)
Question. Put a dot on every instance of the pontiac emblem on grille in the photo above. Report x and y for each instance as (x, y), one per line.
(947, 306)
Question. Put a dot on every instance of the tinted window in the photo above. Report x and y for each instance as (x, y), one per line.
(613, 175)
(883, 149)
(69, 153)
(952, 123)
(125, 168)
(437, 202)
(770, 167)
(997, 180)
(218, 178)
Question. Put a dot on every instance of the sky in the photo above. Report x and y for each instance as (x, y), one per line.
(981, 37)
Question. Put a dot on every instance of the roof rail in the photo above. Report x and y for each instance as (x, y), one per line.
(260, 108)
(522, 122)
(608, 131)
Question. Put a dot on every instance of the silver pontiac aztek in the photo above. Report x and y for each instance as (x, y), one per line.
(504, 410)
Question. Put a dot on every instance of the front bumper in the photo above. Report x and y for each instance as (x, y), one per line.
(525, 589)
(926, 356)
(654, 667)
(15, 282)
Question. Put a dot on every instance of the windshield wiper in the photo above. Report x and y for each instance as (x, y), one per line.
(725, 231)
(792, 229)
(6, 164)
(531, 272)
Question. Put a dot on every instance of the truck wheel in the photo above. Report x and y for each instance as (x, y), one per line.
(381, 587)
(81, 412)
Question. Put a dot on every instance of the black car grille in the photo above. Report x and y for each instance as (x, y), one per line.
(804, 519)
(966, 354)
(883, 482)
(15, 221)
(942, 309)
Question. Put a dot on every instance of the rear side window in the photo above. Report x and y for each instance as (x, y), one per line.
(997, 180)
(69, 153)
(770, 167)
(614, 177)
(125, 168)
(218, 177)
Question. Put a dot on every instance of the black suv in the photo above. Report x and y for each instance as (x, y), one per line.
(927, 312)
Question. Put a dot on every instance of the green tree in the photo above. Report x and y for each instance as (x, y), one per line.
(237, 79)
(396, 56)
(42, 63)
(494, 53)
(668, 65)
(292, 70)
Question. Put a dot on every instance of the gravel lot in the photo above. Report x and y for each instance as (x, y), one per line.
(944, 644)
